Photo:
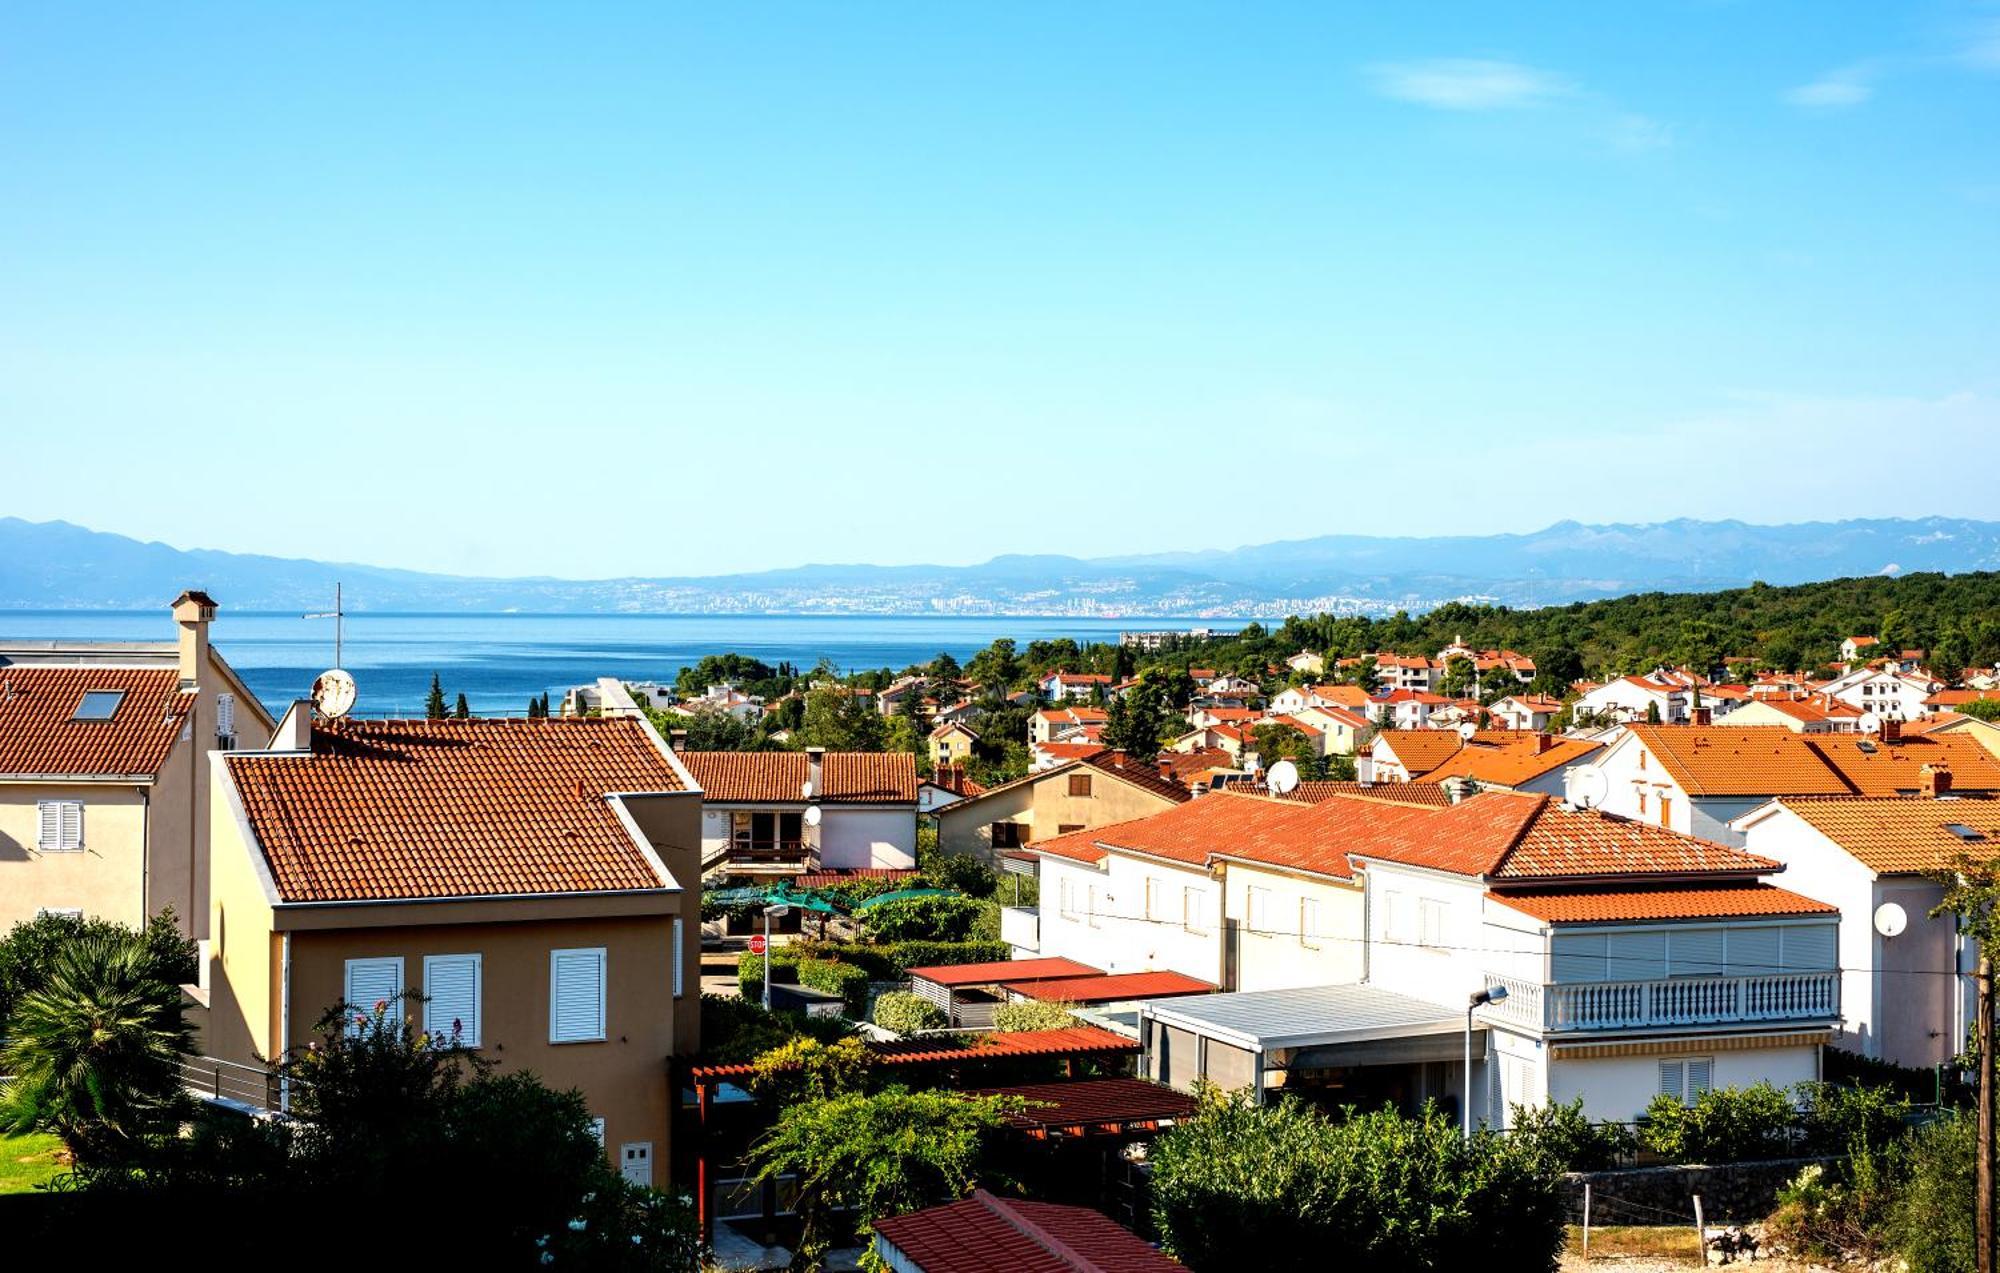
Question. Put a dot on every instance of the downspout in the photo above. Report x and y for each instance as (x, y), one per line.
(146, 852)
(285, 1022)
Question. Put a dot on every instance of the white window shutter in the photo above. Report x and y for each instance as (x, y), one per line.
(576, 995)
(49, 834)
(680, 934)
(72, 830)
(1671, 1081)
(372, 981)
(452, 988)
(1700, 1076)
(225, 715)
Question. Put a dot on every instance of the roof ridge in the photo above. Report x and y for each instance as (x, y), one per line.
(998, 1208)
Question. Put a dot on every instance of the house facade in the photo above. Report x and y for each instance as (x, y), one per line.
(758, 810)
(104, 796)
(535, 882)
(1636, 698)
(1074, 795)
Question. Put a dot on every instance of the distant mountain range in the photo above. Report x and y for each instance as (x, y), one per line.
(56, 565)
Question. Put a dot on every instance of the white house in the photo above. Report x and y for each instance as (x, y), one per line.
(1636, 698)
(1905, 998)
(1073, 686)
(1308, 662)
(1525, 711)
(1887, 692)
(755, 806)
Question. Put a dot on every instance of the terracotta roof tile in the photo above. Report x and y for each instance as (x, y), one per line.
(1395, 792)
(1596, 907)
(39, 736)
(779, 777)
(1897, 836)
(1419, 750)
(1094, 1102)
(1894, 768)
(1110, 988)
(382, 810)
(1512, 763)
(996, 971)
(1256, 828)
(1072, 1040)
(1741, 761)
(985, 1234)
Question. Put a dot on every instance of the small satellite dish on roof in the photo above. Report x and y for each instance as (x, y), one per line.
(1891, 919)
(1586, 786)
(1870, 723)
(1466, 731)
(333, 693)
(1283, 777)
(811, 816)
(806, 790)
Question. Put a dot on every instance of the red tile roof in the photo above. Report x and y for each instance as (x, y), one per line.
(397, 810)
(1084, 1103)
(985, 1234)
(1888, 769)
(1110, 987)
(996, 971)
(779, 777)
(1523, 758)
(1742, 761)
(1256, 828)
(1394, 792)
(38, 736)
(1419, 751)
(1595, 907)
(1898, 836)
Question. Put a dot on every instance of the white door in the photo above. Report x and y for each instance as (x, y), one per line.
(635, 1162)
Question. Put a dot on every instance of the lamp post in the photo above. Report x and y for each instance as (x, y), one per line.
(781, 912)
(1492, 994)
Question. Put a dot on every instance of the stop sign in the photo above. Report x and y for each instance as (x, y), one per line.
(757, 944)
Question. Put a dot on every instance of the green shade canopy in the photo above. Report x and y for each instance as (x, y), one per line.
(905, 894)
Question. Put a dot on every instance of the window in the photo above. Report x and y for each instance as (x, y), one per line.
(1066, 894)
(597, 1130)
(1430, 922)
(451, 983)
(225, 721)
(59, 912)
(1259, 905)
(1064, 828)
(1090, 905)
(1007, 835)
(369, 982)
(1079, 784)
(576, 995)
(59, 826)
(1685, 1081)
(1309, 923)
(1194, 906)
(98, 704)
(1666, 810)
(1642, 804)
(680, 957)
(1395, 916)
(1152, 899)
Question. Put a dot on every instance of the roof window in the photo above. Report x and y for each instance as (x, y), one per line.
(98, 705)
(1964, 832)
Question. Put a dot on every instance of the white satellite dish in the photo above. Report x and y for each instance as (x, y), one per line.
(1891, 919)
(333, 693)
(1283, 777)
(1467, 731)
(1870, 723)
(806, 790)
(811, 816)
(1585, 786)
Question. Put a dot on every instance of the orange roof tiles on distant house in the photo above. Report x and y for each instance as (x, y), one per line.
(1594, 907)
(779, 777)
(1896, 836)
(98, 722)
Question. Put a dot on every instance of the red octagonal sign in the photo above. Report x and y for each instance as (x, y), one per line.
(757, 944)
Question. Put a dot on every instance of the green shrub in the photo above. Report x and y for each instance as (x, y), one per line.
(735, 1031)
(1836, 1214)
(922, 919)
(1033, 1014)
(750, 969)
(1931, 1223)
(804, 1069)
(905, 955)
(837, 978)
(905, 1013)
(1724, 1125)
(1837, 1119)
(877, 961)
(1284, 1187)
(963, 872)
(1561, 1136)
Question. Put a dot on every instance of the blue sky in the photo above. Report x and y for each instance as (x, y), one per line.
(595, 290)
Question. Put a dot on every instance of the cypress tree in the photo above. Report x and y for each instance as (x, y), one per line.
(434, 708)
(462, 710)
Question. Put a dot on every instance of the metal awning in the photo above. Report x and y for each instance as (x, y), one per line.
(1269, 1021)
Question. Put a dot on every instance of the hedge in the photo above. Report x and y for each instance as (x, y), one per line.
(893, 961)
(750, 970)
(838, 978)
(905, 1013)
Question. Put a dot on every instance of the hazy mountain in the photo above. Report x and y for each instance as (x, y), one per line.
(59, 565)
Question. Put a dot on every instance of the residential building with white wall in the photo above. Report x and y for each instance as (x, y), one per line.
(754, 810)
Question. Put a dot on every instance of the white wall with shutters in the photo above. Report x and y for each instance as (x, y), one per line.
(576, 995)
(59, 825)
(1809, 947)
(452, 984)
(680, 956)
(372, 981)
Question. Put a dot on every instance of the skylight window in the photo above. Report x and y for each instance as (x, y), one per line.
(1964, 832)
(99, 705)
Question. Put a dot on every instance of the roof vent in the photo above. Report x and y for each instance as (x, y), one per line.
(1964, 832)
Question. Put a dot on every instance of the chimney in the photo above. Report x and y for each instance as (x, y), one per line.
(1892, 730)
(1702, 716)
(815, 771)
(1543, 742)
(1166, 768)
(295, 731)
(193, 610)
(1934, 780)
(677, 739)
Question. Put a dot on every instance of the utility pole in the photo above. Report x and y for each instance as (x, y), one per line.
(1983, 1054)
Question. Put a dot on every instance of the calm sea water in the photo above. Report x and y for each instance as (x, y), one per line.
(499, 660)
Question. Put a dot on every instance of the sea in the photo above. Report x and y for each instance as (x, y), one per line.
(499, 661)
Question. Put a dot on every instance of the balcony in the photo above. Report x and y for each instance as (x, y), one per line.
(763, 857)
(1677, 1003)
(1021, 927)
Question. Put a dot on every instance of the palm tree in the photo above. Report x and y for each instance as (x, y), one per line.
(95, 1053)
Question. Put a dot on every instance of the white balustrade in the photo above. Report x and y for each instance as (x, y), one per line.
(1680, 1001)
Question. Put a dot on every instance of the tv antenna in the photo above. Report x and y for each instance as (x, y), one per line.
(336, 614)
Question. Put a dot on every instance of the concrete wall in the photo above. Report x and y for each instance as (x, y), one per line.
(1332, 954)
(879, 838)
(1046, 806)
(1619, 1088)
(1446, 973)
(1101, 919)
(103, 880)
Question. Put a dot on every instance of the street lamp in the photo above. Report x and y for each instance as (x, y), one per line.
(781, 912)
(1492, 994)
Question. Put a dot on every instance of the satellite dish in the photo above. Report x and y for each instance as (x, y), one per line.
(1891, 919)
(333, 694)
(1586, 786)
(1870, 723)
(811, 816)
(1283, 777)
(1466, 731)
(806, 790)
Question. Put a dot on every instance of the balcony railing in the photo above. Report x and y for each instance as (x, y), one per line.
(1681, 1001)
(769, 855)
(1021, 927)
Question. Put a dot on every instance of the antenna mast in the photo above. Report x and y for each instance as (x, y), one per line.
(336, 614)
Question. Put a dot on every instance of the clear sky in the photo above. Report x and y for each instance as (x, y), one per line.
(594, 290)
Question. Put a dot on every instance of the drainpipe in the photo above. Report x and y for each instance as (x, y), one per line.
(145, 852)
(285, 1022)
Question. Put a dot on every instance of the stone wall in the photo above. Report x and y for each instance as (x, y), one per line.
(1734, 1193)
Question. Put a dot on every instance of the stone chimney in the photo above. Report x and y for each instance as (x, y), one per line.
(1543, 742)
(816, 772)
(677, 739)
(194, 610)
(1892, 730)
(1934, 780)
(1702, 716)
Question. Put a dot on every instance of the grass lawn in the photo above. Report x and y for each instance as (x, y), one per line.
(27, 1161)
(1627, 1241)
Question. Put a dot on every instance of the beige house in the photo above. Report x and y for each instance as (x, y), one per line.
(536, 881)
(103, 784)
(1076, 795)
(951, 743)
